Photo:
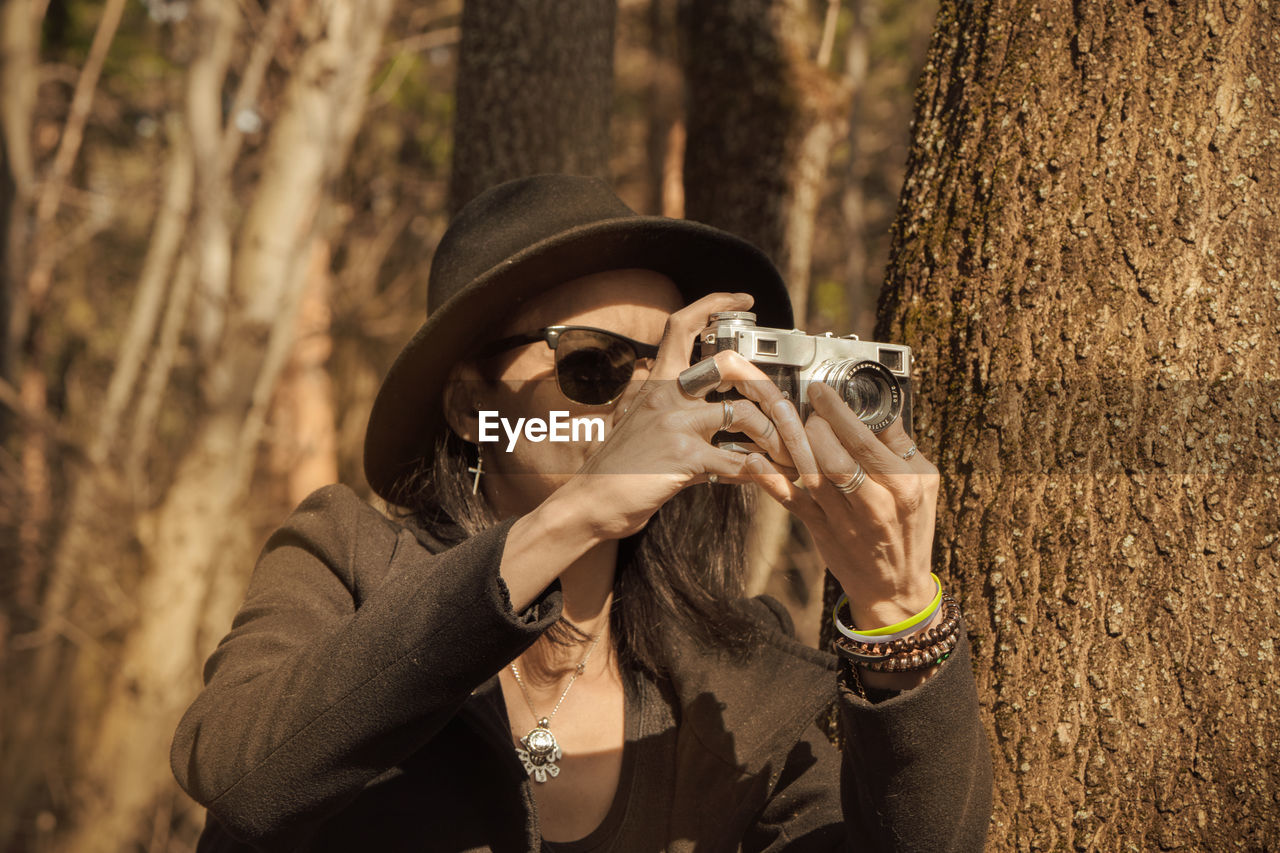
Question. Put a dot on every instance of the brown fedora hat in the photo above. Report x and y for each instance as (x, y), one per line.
(515, 241)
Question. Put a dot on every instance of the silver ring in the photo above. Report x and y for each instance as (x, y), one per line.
(713, 478)
(851, 485)
(727, 422)
(910, 452)
(696, 381)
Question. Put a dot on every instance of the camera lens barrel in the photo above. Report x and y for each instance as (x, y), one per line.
(868, 388)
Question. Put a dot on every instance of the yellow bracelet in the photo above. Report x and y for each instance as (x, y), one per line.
(904, 626)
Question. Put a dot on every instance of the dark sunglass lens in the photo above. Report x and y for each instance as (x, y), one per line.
(593, 369)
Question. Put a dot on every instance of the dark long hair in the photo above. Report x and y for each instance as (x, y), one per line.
(681, 578)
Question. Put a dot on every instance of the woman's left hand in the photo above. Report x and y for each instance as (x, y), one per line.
(876, 539)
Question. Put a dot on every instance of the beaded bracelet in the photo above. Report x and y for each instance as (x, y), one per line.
(919, 639)
(924, 649)
(890, 632)
(917, 659)
(905, 661)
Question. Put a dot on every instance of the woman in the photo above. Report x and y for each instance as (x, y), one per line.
(550, 650)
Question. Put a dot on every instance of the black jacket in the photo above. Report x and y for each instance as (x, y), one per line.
(354, 706)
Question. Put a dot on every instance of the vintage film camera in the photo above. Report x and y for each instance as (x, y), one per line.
(873, 378)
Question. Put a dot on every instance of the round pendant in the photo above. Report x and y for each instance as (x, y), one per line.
(540, 752)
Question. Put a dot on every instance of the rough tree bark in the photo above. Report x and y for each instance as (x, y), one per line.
(1085, 263)
(534, 92)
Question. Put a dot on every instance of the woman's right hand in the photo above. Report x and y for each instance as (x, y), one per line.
(660, 440)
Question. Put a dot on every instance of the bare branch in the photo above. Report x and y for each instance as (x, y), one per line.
(166, 235)
(81, 101)
(175, 317)
(39, 419)
(211, 240)
(50, 196)
(264, 47)
(19, 76)
(429, 40)
(401, 65)
(101, 214)
(827, 47)
(273, 361)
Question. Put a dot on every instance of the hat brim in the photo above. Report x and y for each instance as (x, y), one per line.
(408, 415)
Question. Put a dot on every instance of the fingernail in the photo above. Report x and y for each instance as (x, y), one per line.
(753, 464)
(817, 390)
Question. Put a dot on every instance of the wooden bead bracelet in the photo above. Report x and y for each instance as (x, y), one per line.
(905, 654)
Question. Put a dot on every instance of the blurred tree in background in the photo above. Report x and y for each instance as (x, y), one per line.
(172, 220)
(534, 92)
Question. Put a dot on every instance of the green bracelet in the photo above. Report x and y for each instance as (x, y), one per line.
(879, 634)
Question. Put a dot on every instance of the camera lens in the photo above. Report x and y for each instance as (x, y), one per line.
(869, 389)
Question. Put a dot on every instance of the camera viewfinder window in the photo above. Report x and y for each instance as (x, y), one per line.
(891, 358)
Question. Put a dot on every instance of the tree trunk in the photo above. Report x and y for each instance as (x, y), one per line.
(763, 116)
(534, 92)
(664, 142)
(303, 440)
(879, 133)
(1085, 265)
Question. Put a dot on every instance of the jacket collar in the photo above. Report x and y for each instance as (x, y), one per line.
(745, 710)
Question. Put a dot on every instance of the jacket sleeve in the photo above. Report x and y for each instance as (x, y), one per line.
(354, 646)
(916, 770)
(914, 775)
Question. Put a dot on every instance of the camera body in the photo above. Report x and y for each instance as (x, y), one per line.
(873, 378)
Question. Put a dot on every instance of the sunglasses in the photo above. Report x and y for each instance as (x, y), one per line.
(593, 366)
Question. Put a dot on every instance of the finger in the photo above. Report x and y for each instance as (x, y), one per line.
(896, 439)
(839, 467)
(749, 420)
(880, 462)
(728, 466)
(724, 370)
(744, 417)
(777, 484)
(738, 372)
(791, 430)
(683, 327)
(744, 478)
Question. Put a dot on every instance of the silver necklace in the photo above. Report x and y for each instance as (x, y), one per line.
(541, 752)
